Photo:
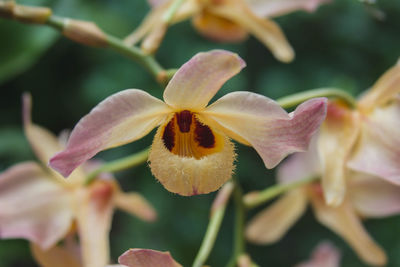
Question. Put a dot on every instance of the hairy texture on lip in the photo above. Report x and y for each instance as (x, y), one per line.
(188, 175)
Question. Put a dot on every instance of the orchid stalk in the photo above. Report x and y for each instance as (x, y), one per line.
(86, 33)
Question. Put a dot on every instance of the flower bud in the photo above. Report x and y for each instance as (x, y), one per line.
(27, 14)
(153, 40)
(85, 32)
(6, 9)
(30, 14)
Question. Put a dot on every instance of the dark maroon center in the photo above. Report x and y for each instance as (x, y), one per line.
(204, 135)
(184, 120)
(168, 135)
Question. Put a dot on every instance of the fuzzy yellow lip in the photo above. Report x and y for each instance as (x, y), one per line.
(184, 135)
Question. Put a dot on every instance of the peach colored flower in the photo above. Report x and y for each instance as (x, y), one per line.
(192, 152)
(367, 197)
(226, 21)
(38, 204)
(366, 139)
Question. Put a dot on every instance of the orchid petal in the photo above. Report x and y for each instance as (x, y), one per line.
(199, 79)
(147, 258)
(135, 204)
(374, 197)
(385, 89)
(33, 206)
(265, 125)
(325, 254)
(272, 223)
(45, 144)
(218, 29)
(121, 118)
(267, 31)
(343, 221)
(378, 149)
(156, 3)
(55, 256)
(275, 8)
(94, 214)
(300, 165)
(151, 20)
(337, 137)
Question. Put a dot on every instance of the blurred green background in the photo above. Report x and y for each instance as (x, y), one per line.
(342, 44)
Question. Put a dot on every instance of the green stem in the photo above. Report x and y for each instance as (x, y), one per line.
(217, 214)
(132, 52)
(136, 54)
(119, 164)
(254, 199)
(169, 14)
(295, 99)
(239, 242)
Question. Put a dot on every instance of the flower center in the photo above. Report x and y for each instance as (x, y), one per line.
(184, 135)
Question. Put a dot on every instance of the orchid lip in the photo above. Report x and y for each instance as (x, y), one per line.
(184, 135)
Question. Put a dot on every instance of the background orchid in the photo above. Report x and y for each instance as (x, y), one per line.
(77, 55)
(365, 139)
(38, 204)
(226, 21)
(367, 197)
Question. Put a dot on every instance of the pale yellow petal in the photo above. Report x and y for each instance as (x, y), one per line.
(94, 214)
(378, 149)
(337, 137)
(344, 222)
(56, 256)
(385, 89)
(271, 224)
(152, 18)
(373, 197)
(199, 79)
(267, 31)
(135, 204)
(45, 144)
(33, 206)
(218, 29)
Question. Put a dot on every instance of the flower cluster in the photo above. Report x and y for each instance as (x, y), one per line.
(342, 154)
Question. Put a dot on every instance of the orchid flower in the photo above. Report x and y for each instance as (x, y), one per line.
(368, 197)
(192, 152)
(225, 21)
(366, 139)
(38, 204)
(146, 258)
(325, 254)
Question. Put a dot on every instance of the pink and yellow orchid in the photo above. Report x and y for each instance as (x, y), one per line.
(191, 152)
(368, 197)
(38, 204)
(366, 139)
(225, 20)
